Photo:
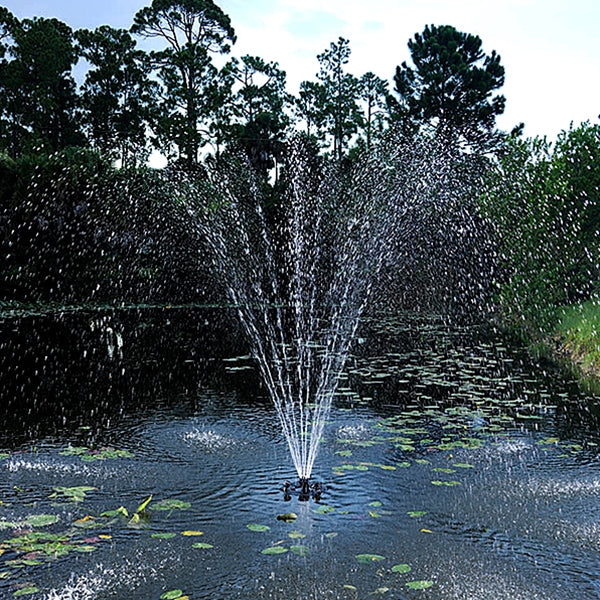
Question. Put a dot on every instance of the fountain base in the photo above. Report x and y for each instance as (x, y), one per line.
(303, 489)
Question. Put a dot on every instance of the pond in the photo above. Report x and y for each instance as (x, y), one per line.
(140, 459)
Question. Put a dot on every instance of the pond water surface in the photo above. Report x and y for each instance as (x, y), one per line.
(139, 456)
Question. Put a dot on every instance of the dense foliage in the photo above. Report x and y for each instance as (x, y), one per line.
(544, 201)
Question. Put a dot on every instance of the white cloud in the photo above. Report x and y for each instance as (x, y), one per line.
(548, 48)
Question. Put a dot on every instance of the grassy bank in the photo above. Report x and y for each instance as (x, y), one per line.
(577, 337)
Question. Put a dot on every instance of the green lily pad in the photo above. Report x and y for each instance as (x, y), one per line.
(376, 503)
(41, 520)
(415, 514)
(446, 483)
(202, 545)
(172, 595)
(296, 535)
(163, 536)
(274, 550)
(85, 548)
(300, 550)
(421, 584)
(26, 591)
(463, 466)
(257, 527)
(324, 509)
(344, 453)
(74, 494)
(369, 558)
(119, 512)
(402, 568)
(170, 504)
(4, 455)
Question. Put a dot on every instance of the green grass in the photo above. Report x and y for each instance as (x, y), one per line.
(578, 331)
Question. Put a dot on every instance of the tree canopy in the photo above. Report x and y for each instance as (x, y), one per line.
(450, 86)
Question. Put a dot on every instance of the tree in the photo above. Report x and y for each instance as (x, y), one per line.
(193, 30)
(309, 107)
(341, 112)
(39, 99)
(450, 86)
(118, 96)
(374, 93)
(259, 106)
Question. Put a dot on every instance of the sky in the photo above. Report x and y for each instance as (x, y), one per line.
(550, 49)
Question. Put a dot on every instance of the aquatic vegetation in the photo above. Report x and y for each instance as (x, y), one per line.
(90, 455)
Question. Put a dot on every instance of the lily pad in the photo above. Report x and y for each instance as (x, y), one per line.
(74, 494)
(415, 514)
(41, 520)
(191, 532)
(300, 550)
(170, 504)
(369, 558)
(296, 535)
(344, 453)
(402, 568)
(421, 584)
(202, 545)
(26, 591)
(274, 550)
(257, 527)
(172, 595)
(163, 536)
(324, 509)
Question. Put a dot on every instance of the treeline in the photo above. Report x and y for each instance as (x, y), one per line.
(503, 222)
(190, 97)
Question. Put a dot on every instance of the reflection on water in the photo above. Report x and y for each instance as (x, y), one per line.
(451, 464)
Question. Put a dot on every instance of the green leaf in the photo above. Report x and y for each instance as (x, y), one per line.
(41, 520)
(296, 535)
(274, 550)
(142, 507)
(26, 591)
(202, 545)
(257, 527)
(402, 568)
(172, 595)
(443, 470)
(324, 509)
(344, 453)
(75, 494)
(421, 584)
(446, 483)
(84, 549)
(375, 503)
(369, 558)
(170, 504)
(163, 536)
(119, 512)
(415, 514)
(300, 550)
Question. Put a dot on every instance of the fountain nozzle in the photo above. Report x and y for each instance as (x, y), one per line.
(304, 489)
